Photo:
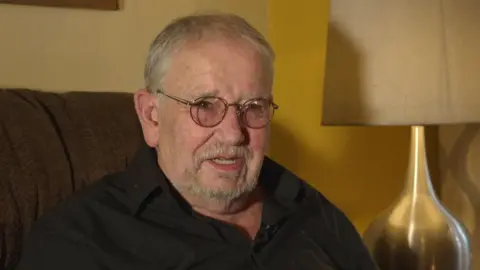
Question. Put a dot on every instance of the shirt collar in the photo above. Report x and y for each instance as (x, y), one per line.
(145, 179)
(283, 191)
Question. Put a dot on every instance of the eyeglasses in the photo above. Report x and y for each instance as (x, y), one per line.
(210, 111)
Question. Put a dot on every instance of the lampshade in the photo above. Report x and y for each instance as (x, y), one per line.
(402, 62)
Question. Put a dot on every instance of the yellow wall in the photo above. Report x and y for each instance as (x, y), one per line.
(360, 169)
(59, 49)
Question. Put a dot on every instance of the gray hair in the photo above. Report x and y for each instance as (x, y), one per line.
(196, 27)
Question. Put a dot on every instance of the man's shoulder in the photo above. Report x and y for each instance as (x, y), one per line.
(323, 221)
(310, 199)
(63, 237)
(80, 211)
(287, 183)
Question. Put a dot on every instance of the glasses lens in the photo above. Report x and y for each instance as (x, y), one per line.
(258, 113)
(208, 111)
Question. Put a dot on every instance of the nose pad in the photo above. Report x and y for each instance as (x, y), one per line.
(238, 112)
(241, 117)
(233, 128)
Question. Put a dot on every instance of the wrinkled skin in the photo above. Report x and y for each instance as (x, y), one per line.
(230, 69)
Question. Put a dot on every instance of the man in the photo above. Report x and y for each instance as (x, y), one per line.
(200, 194)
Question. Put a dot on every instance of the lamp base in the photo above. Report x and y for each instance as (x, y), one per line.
(417, 232)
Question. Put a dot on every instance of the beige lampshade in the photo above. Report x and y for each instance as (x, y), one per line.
(402, 62)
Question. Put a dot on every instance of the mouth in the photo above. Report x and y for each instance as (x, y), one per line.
(227, 163)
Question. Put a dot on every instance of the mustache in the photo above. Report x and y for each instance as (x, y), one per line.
(221, 150)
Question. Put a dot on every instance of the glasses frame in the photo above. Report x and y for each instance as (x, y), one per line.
(241, 108)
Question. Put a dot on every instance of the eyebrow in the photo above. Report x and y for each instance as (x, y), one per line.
(209, 93)
(215, 93)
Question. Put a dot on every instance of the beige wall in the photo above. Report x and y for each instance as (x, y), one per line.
(59, 49)
(460, 166)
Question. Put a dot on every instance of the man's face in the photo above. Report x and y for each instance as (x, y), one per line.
(220, 162)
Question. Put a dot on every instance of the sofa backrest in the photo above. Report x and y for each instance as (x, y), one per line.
(54, 144)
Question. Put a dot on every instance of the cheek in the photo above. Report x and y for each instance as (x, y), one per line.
(259, 140)
(176, 136)
(189, 138)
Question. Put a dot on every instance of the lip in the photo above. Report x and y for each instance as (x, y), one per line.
(237, 165)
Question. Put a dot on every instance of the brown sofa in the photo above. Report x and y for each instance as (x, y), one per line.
(54, 144)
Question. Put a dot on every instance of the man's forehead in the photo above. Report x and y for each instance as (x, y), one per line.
(211, 78)
(212, 68)
(198, 54)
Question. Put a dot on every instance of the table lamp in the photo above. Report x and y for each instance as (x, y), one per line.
(416, 64)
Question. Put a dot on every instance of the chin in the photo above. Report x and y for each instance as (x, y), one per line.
(221, 183)
(225, 185)
(216, 180)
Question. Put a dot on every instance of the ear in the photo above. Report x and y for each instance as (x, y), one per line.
(146, 106)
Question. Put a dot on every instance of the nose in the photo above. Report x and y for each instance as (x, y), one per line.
(233, 132)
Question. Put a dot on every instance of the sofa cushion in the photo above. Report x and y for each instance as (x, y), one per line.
(54, 144)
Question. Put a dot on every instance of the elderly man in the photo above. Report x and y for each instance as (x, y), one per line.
(200, 194)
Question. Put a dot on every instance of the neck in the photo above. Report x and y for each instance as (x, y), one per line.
(244, 213)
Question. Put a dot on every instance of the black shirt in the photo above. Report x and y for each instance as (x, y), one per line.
(136, 220)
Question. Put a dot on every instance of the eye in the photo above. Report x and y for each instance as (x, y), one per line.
(209, 104)
(204, 104)
(257, 106)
